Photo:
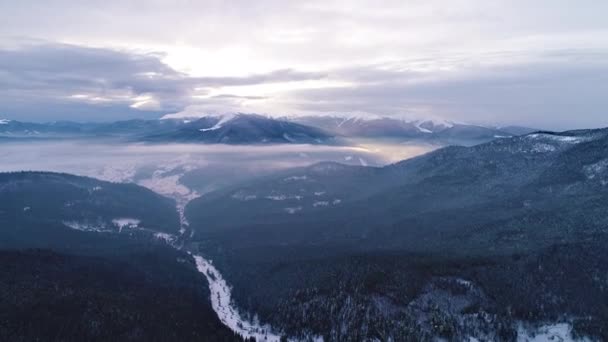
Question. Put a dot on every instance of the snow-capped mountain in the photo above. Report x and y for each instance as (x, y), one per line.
(428, 130)
(240, 128)
(243, 129)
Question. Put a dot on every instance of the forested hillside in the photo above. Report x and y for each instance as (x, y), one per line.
(461, 242)
(80, 261)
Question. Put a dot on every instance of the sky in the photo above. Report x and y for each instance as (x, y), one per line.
(540, 63)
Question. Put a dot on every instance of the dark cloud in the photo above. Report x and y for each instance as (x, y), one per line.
(558, 89)
(37, 77)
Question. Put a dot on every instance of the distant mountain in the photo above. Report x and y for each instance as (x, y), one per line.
(513, 230)
(243, 129)
(132, 129)
(213, 129)
(16, 129)
(426, 130)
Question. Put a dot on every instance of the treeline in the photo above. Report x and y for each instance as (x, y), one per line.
(413, 297)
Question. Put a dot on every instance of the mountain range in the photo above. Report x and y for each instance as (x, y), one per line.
(447, 132)
(461, 242)
(258, 129)
(501, 241)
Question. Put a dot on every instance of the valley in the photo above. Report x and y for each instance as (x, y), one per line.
(303, 171)
(442, 267)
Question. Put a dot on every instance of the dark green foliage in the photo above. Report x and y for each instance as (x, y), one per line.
(523, 219)
(58, 297)
(95, 286)
(52, 197)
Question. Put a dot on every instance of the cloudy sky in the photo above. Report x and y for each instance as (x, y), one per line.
(542, 63)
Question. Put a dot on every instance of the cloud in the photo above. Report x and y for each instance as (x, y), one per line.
(557, 90)
(505, 61)
(41, 77)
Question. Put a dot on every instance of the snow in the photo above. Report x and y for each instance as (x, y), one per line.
(125, 222)
(26, 209)
(348, 158)
(362, 161)
(435, 122)
(242, 196)
(97, 188)
(280, 197)
(171, 187)
(293, 210)
(422, 129)
(287, 137)
(464, 282)
(542, 148)
(168, 238)
(221, 301)
(219, 124)
(319, 193)
(596, 169)
(558, 138)
(4, 121)
(320, 204)
(295, 178)
(85, 227)
(115, 173)
(276, 197)
(559, 332)
(336, 201)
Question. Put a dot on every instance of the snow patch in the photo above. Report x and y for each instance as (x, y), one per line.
(171, 187)
(276, 197)
(4, 121)
(85, 226)
(168, 238)
(422, 129)
(126, 222)
(295, 178)
(293, 210)
(287, 137)
(560, 332)
(219, 124)
(221, 301)
(558, 138)
(464, 282)
(596, 169)
(319, 193)
(543, 148)
(242, 196)
(320, 204)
